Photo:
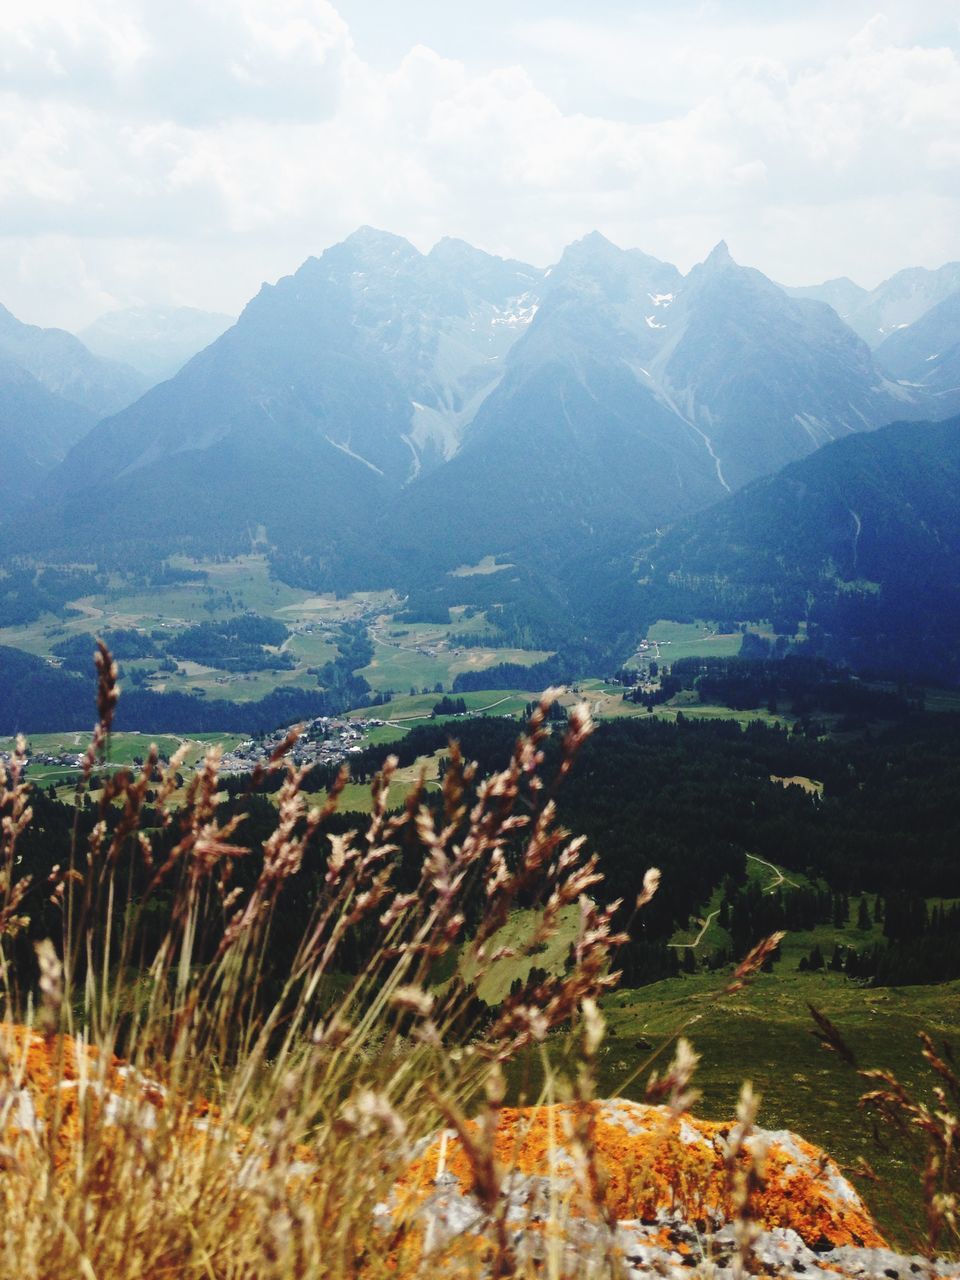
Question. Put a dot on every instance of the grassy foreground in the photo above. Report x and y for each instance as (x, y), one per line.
(767, 1034)
(268, 1107)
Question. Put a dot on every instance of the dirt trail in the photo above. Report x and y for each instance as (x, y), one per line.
(692, 946)
(780, 877)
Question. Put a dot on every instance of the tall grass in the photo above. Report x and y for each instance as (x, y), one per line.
(195, 1120)
(172, 1105)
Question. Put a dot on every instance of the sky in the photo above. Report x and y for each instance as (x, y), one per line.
(184, 152)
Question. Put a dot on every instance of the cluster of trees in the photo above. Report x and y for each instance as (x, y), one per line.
(448, 706)
(234, 644)
(514, 675)
(556, 712)
(801, 683)
(125, 643)
(650, 698)
(932, 955)
(38, 698)
(749, 912)
(424, 606)
(337, 676)
(26, 592)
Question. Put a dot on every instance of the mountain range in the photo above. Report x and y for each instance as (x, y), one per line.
(52, 392)
(380, 394)
(383, 416)
(893, 305)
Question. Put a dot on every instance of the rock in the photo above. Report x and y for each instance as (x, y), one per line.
(655, 1198)
(661, 1203)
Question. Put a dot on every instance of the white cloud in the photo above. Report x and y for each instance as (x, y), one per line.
(193, 149)
(195, 61)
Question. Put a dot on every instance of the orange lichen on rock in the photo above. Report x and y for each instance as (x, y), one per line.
(568, 1184)
(651, 1161)
(61, 1087)
(42, 1082)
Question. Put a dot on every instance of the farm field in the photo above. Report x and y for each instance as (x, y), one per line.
(669, 641)
(410, 709)
(407, 655)
(606, 702)
(400, 666)
(125, 749)
(246, 686)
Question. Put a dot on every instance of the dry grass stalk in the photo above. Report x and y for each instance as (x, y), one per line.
(318, 1094)
(929, 1131)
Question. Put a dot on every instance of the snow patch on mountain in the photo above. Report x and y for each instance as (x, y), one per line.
(820, 432)
(345, 448)
(516, 315)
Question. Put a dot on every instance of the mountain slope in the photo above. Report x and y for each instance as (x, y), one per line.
(926, 354)
(861, 541)
(843, 294)
(573, 441)
(36, 429)
(64, 366)
(766, 378)
(337, 386)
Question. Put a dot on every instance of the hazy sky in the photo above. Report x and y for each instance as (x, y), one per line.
(185, 150)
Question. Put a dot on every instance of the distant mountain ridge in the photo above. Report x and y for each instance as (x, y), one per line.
(37, 427)
(380, 395)
(926, 354)
(62, 364)
(893, 305)
(52, 391)
(157, 341)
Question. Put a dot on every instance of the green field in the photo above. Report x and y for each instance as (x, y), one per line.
(400, 665)
(123, 749)
(411, 709)
(494, 983)
(764, 1034)
(669, 641)
(407, 655)
(356, 796)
